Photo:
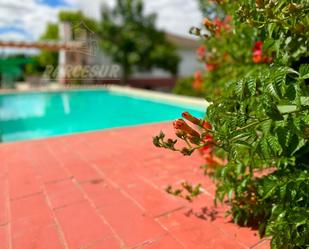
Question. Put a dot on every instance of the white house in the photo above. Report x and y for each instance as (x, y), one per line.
(156, 78)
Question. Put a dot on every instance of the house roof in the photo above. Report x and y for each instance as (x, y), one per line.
(181, 41)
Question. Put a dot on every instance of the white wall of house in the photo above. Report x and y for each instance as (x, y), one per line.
(187, 65)
(186, 50)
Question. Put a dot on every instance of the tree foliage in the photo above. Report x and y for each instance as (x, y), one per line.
(76, 19)
(131, 39)
(45, 58)
(260, 125)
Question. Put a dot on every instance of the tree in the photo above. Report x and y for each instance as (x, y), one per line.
(46, 57)
(131, 39)
(74, 18)
(51, 33)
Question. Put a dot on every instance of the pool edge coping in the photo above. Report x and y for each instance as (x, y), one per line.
(85, 132)
(132, 91)
(161, 96)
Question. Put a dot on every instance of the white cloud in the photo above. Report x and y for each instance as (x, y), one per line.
(12, 36)
(176, 16)
(15, 36)
(24, 20)
(28, 18)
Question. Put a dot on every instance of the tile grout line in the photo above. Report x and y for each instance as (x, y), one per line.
(9, 230)
(127, 195)
(142, 209)
(96, 168)
(100, 215)
(261, 242)
(78, 185)
(60, 233)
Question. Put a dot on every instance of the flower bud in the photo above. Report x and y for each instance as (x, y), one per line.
(201, 51)
(259, 4)
(194, 140)
(195, 31)
(292, 7)
(208, 24)
(180, 133)
(186, 151)
(180, 124)
(206, 125)
(191, 118)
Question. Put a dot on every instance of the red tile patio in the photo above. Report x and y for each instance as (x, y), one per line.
(105, 190)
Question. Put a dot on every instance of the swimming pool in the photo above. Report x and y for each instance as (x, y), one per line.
(26, 116)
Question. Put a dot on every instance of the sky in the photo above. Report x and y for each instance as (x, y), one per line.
(26, 19)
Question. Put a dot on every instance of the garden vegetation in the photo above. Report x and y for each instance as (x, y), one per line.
(254, 137)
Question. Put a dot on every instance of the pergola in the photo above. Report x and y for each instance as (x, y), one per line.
(56, 46)
(44, 45)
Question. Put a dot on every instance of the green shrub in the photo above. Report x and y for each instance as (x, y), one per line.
(225, 56)
(184, 87)
(260, 126)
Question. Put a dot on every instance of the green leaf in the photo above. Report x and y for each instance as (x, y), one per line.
(304, 101)
(273, 112)
(282, 134)
(292, 143)
(274, 91)
(304, 71)
(269, 188)
(243, 144)
(266, 126)
(268, 43)
(273, 144)
(287, 108)
(264, 148)
(240, 88)
(271, 28)
(252, 86)
(291, 92)
(277, 47)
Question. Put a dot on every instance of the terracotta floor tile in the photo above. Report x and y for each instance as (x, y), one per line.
(38, 237)
(167, 242)
(4, 237)
(109, 243)
(102, 193)
(155, 201)
(205, 237)
(79, 169)
(63, 193)
(4, 200)
(50, 171)
(81, 225)
(131, 224)
(23, 180)
(35, 205)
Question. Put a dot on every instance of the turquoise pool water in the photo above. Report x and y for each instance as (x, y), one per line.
(38, 115)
